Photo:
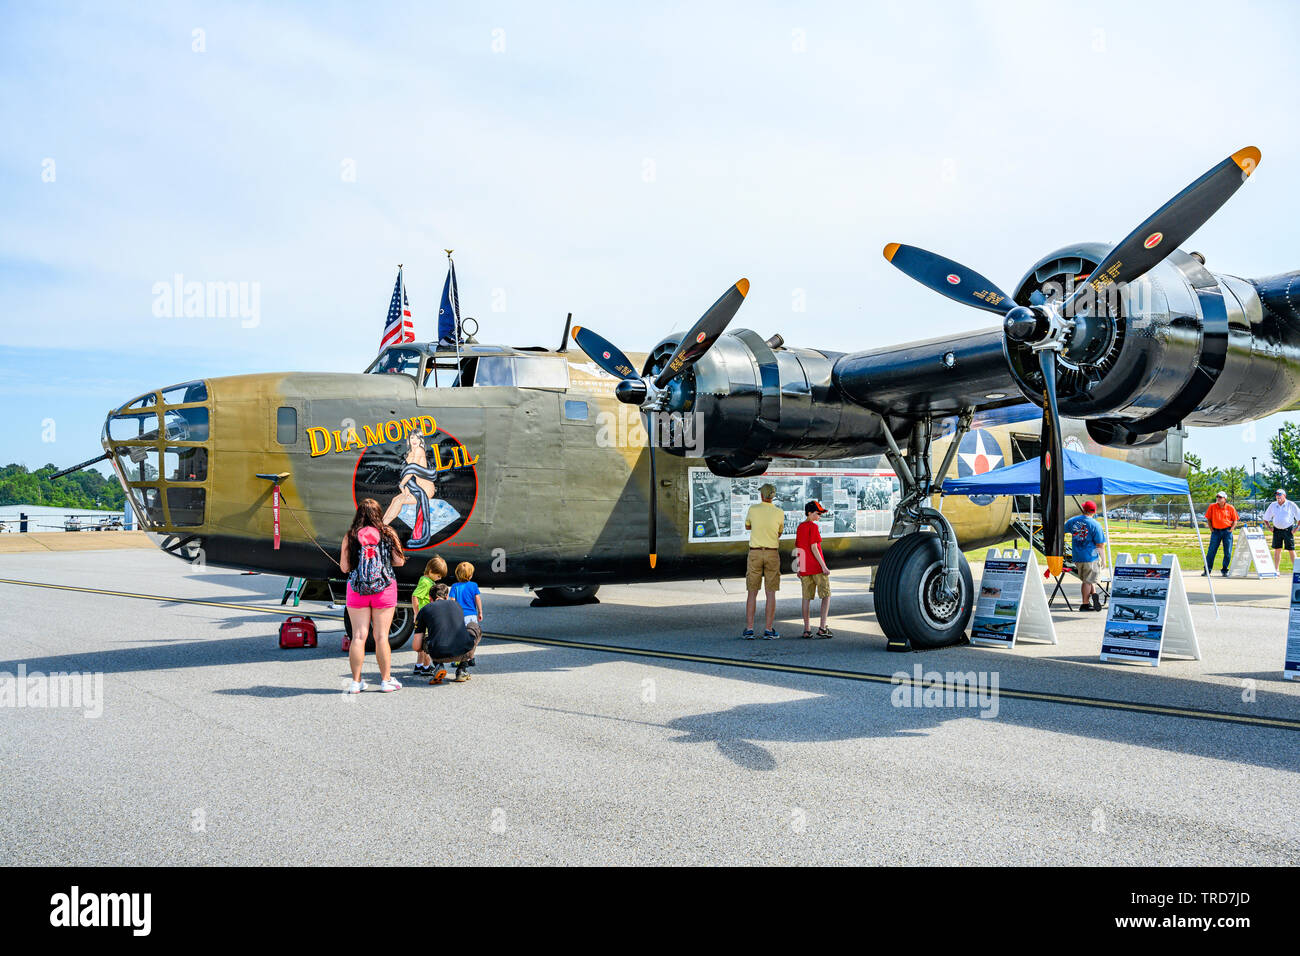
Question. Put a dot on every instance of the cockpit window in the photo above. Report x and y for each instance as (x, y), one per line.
(406, 361)
(525, 371)
(494, 370)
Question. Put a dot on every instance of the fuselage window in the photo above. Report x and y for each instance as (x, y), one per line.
(538, 371)
(286, 425)
(575, 411)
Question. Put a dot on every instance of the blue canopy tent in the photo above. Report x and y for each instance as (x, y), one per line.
(1084, 475)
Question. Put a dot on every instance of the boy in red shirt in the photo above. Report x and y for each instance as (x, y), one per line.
(810, 563)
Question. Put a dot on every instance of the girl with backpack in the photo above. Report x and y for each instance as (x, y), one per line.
(370, 551)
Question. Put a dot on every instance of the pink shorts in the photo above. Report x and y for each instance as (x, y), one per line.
(384, 599)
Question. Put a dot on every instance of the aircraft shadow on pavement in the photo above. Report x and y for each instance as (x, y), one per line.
(849, 710)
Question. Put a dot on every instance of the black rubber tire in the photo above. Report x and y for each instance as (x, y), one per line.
(398, 634)
(903, 582)
(570, 594)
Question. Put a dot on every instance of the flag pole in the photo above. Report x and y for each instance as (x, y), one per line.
(455, 307)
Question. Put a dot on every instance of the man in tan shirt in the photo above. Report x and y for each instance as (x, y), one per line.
(765, 522)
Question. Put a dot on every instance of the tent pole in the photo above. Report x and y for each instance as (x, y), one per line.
(1105, 517)
(1205, 563)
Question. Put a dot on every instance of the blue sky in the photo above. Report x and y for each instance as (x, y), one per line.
(623, 164)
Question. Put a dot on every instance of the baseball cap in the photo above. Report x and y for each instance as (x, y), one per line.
(1221, 494)
(767, 489)
(1089, 507)
(814, 505)
(1280, 491)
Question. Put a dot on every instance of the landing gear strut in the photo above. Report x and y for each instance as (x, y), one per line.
(924, 593)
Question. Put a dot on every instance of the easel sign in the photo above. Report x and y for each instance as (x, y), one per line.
(1149, 617)
(1011, 601)
(1254, 554)
(1291, 666)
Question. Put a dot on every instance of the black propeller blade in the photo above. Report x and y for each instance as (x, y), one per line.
(604, 353)
(654, 489)
(1051, 470)
(1143, 249)
(704, 332)
(1168, 227)
(949, 278)
(635, 390)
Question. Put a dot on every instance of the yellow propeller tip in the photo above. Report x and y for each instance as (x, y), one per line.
(743, 286)
(575, 331)
(890, 250)
(1247, 159)
(653, 559)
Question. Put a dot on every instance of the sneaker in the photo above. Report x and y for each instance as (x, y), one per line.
(420, 671)
(1096, 601)
(1205, 574)
(1224, 572)
(472, 662)
(806, 634)
(438, 675)
(771, 635)
(824, 632)
(747, 634)
(390, 685)
(462, 674)
(357, 686)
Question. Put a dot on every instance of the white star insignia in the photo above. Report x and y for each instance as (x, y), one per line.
(994, 458)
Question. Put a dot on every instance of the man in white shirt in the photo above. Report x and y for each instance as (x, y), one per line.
(1282, 515)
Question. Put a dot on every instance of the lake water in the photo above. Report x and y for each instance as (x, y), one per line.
(41, 518)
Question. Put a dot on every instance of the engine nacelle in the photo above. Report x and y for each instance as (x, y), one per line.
(1180, 345)
(744, 402)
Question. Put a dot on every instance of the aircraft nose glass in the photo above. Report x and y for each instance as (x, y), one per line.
(159, 452)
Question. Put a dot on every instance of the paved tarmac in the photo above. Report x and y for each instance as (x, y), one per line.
(215, 746)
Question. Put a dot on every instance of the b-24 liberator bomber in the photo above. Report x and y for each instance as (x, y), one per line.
(537, 464)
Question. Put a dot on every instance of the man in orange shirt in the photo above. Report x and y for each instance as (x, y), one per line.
(1222, 518)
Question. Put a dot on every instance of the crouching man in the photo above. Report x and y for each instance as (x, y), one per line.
(449, 638)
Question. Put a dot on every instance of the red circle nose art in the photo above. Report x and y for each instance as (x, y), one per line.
(953, 279)
(1154, 240)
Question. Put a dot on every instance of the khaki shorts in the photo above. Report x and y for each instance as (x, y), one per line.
(763, 569)
(818, 584)
(1088, 571)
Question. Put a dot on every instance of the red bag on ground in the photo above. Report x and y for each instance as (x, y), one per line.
(298, 632)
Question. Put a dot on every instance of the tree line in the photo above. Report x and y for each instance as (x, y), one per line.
(87, 489)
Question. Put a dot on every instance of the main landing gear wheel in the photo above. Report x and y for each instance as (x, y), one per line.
(911, 605)
(569, 594)
(398, 634)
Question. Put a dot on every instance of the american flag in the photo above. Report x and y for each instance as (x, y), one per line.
(398, 327)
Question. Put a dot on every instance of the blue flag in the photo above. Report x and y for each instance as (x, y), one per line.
(449, 309)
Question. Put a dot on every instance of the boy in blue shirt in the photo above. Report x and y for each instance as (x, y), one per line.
(466, 593)
(1086, 537)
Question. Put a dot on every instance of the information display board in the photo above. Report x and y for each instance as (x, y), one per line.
(858, 501)
(1149, 617)
(1011, 602)
(1252, 554)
